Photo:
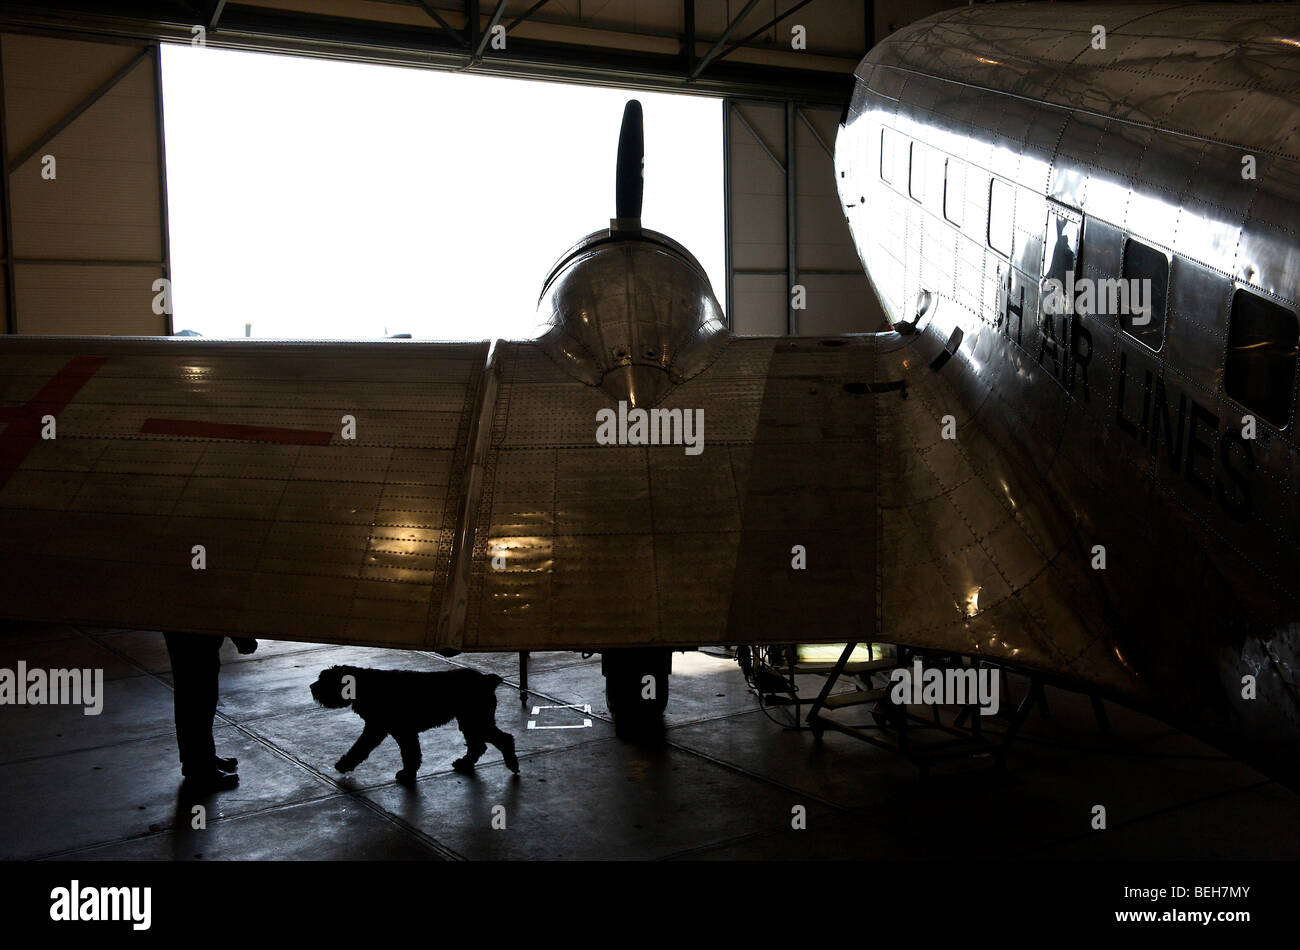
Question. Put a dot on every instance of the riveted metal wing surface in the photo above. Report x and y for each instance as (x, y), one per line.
(825, 506)
(121, 458)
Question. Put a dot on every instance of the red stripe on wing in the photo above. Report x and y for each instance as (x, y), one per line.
(224, 430)
(24, 424)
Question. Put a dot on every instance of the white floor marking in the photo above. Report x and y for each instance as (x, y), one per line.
(532, 724)
(584, 707)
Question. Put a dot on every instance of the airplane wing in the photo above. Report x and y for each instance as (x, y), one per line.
(475, 508)
(826, 505)
(160, 446)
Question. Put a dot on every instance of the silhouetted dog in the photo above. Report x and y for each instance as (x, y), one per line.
(404, 703)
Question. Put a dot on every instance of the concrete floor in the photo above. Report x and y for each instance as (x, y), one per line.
(722, 786)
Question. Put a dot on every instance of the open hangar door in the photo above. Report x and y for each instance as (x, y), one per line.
(84, 195)
(791, 264)
(83, 251)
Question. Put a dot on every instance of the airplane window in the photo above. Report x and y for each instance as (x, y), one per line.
(916, 172)
(1062, 248)
(935, 162)
(887, 150)
(1262, 344)
(1146, 274)
(1000, 216)
(1104, 244)
(954, 192)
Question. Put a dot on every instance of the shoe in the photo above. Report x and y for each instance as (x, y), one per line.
(225, 765)
(213, 781)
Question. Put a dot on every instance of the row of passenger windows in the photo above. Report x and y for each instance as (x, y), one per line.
(1263, 337)
(931, 177)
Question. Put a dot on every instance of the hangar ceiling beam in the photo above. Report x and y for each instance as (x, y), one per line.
(487, 34)
(218, 8)
(75, 112)
(726, 35)
(762, 29)
(446, 27)
(526, 14)
(600, 48)
(471, 22)
(688, 28)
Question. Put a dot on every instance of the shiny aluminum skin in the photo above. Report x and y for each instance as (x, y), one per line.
(631, 311)
(1106, 443)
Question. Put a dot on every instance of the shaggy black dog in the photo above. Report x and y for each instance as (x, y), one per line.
(404, 703)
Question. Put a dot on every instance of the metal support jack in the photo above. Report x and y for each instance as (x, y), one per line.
(959, 742)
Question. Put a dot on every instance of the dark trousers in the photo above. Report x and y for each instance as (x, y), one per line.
(196, 661)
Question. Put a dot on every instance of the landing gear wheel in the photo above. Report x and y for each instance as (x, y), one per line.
(636, 690)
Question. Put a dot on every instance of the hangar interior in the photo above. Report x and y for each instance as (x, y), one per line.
(85, 88)
(81, 97)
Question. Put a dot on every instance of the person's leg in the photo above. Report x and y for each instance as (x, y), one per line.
(196, 663)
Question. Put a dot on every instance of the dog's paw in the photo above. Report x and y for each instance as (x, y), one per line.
(343, 765)
(406, 777)
(463, 766)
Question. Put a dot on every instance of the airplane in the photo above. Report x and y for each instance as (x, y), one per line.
(999, 164)
(1001, 474)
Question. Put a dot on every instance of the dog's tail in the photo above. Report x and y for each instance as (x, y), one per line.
(493, 681)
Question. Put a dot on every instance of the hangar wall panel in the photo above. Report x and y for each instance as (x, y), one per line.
(785, 226)
(84, 197)
(71, 299)
(759, 302)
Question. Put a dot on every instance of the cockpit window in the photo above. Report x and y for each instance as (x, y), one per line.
(1262, 344)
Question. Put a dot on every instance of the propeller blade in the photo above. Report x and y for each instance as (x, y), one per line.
(629, 184)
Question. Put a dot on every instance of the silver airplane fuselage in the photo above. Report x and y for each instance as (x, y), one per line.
(993, 156)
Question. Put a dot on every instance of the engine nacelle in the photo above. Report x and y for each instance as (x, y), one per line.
(630, 311)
